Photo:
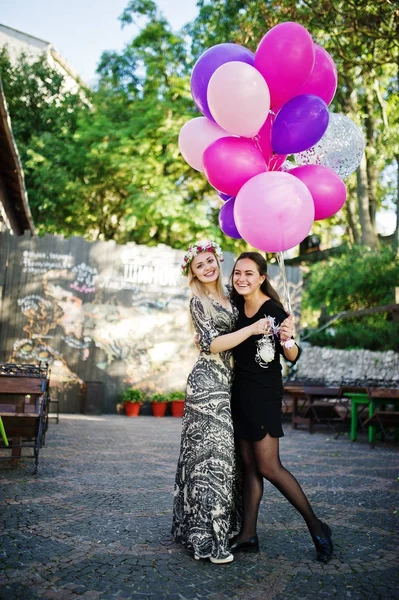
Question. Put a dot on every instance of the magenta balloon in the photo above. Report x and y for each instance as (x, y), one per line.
(324, 78)
(229, 162)
(264, 137)
(274, 211)
(226, 220)
(207, 64)
(327, 189)
(276, 161)
(300, 123)
(264, 142)
(285, 57)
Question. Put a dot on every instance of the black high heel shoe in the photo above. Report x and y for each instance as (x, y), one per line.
(324, 545)
(249, 545)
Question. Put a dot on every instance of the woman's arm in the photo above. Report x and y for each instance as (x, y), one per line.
(231, 340)
(287, 333)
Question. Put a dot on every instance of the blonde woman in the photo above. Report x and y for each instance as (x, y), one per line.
(206, 504)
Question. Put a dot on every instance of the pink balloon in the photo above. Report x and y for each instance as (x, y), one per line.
(274, 211)
(324, 78)
(238, 98)
(285, 57)
(229, 162)
(195, 136)
(327, 189)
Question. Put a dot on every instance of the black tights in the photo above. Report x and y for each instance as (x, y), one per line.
(262, 460)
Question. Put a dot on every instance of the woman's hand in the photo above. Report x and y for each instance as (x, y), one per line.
(261, 327)
(287, 330)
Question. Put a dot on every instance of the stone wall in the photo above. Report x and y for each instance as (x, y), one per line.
(356, 367)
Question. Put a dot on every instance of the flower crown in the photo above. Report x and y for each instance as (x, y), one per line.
(197, 248)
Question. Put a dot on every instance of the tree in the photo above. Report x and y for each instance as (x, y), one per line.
(112, 169)
(44, 121)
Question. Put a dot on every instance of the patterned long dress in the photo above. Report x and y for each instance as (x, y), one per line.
(206, 505)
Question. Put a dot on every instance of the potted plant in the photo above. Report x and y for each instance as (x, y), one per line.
(132, 399)
(177, 403)
(159, 402)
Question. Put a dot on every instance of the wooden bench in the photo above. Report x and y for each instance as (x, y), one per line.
(24, 408)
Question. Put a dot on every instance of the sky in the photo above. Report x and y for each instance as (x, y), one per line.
(82, 29)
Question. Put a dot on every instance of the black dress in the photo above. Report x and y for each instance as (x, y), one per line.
(258, 387)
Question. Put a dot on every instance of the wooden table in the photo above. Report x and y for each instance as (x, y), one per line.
(24, 407)
(310, 395)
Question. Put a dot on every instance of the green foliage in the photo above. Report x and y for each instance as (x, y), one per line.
(358, 279)
(158, 397)
(374, 332)
(133, 395)
(44, 116)
(176, 396)
(109, 167)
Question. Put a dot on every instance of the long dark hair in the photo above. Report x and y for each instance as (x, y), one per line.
(266, 286)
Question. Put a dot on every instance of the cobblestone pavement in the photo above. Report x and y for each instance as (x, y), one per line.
(95, 523)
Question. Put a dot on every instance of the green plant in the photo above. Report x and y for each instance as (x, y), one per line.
(176, 396)
(133, 395)
(158, 397)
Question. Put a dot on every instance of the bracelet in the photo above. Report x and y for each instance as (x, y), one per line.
(288, 344)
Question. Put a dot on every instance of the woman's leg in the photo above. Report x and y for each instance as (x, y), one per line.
(252, 491)
(267, 459)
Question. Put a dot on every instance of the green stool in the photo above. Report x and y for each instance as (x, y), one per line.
(3, 432)
(356, 398)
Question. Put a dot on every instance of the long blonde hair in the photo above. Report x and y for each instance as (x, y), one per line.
(199, 289)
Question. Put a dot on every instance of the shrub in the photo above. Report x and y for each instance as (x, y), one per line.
(358, 279)
(158, 397)
(133, 395)
(176, 396)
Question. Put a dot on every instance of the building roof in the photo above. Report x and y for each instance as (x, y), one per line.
(18, 42)
(16, 199)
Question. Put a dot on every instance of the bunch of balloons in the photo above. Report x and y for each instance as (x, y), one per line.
(258, 109)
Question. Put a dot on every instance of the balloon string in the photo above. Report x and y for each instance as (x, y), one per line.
(256, 141)
(286, 293)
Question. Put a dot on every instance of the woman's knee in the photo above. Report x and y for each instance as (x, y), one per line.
(270, 470)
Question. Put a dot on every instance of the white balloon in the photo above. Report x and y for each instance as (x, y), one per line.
(341, 148)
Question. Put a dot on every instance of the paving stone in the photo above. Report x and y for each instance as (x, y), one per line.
(95, 523)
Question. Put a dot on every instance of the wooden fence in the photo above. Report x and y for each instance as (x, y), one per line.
(100, 312)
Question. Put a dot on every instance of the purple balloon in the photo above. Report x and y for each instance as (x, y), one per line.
(207, 64)
(226, 220)
(300, 123)
(224, 197)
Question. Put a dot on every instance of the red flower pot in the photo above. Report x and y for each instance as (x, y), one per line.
(177, 408)
(132, 409)
(159, 409)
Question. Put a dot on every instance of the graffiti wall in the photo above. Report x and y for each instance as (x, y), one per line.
(99, 312)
